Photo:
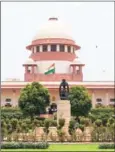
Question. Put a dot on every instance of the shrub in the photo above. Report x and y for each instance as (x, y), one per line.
(85, 121)
(81, 127)
(107, 146)
(98, 122)
(71, 128)
(22, 145)
(61, 123)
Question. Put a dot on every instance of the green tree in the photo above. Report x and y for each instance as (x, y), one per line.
(80, 101)
(34, 99)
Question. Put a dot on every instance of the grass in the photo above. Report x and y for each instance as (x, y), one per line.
(63, 147)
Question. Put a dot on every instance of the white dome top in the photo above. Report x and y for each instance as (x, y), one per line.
(54, 29)
(30, 61)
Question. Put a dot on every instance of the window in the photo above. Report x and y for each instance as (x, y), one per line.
(112, 100)
(99, 100)
(53, 48)
(61, 48)
(44, 48)
(38, 49)
(8, 100)
(29, 69)
(69, 49)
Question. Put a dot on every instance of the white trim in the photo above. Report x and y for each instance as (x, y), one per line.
(49, 48)
(65, 48)
(57, 48)
(58, 82)
(41, 48)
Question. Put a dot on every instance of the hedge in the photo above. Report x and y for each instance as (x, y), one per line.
(22, 145)
(107, 146)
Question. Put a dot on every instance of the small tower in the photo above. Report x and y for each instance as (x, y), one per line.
(30, 70)
(76, 69)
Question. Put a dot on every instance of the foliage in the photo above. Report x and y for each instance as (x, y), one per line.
(22, 145)
(85, 121)
(80, 101)
(72, 127)
(101, 113)
(81, 127)
(103, 134)
(107, 146)
(98, 122)
(61, 123)
(46, 126)
(11, 113)
(34, 99)
(61, 135)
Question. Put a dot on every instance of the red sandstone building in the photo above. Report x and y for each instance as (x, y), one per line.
(52, 59)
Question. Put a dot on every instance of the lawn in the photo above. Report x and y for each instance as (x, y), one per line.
(64, 147)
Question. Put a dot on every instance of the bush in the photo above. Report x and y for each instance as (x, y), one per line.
(85, 121)
(107, 146)
(98, 122)
(22, 145)
(101, 113)
(61, 123)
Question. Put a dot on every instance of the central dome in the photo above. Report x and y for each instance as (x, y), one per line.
(54, 29)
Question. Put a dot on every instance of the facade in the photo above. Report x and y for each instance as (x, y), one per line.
(52, 59)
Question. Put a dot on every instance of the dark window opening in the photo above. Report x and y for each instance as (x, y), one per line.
(8, 105)
(38, 49)
(99, 100)
(8, 100)
(53, 48)
(112, 100)
(61, 48)
(44, 48)
(69, 49)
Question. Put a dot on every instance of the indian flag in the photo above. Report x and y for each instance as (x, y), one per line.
(51, 69)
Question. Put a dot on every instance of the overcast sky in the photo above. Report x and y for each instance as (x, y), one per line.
(92, 24)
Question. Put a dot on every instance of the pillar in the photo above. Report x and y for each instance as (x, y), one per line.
(57, 49)
(41, 48)
(107, 98)
(32, 69)
(14, 98)
(65, 48)
(93, 100)
(49, 48)
(26, 69)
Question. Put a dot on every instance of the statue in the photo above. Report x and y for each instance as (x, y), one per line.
(64, 90)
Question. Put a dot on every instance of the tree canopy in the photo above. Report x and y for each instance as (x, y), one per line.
(80, 101)
(34, 99)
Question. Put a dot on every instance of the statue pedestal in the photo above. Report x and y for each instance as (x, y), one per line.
(64, 111)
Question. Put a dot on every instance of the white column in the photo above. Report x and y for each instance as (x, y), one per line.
(41, 48)
(35, 49)
(57, 48)
(14, 99)
(93, 100)
(65, 48)
(49, 48)
(71, 49)
(107, 99)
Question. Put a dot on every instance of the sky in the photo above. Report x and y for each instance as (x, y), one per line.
(92, 24)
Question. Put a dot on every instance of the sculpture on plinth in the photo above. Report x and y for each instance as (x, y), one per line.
(64, 90)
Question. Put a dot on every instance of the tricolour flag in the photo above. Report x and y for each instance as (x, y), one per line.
(51, 69)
